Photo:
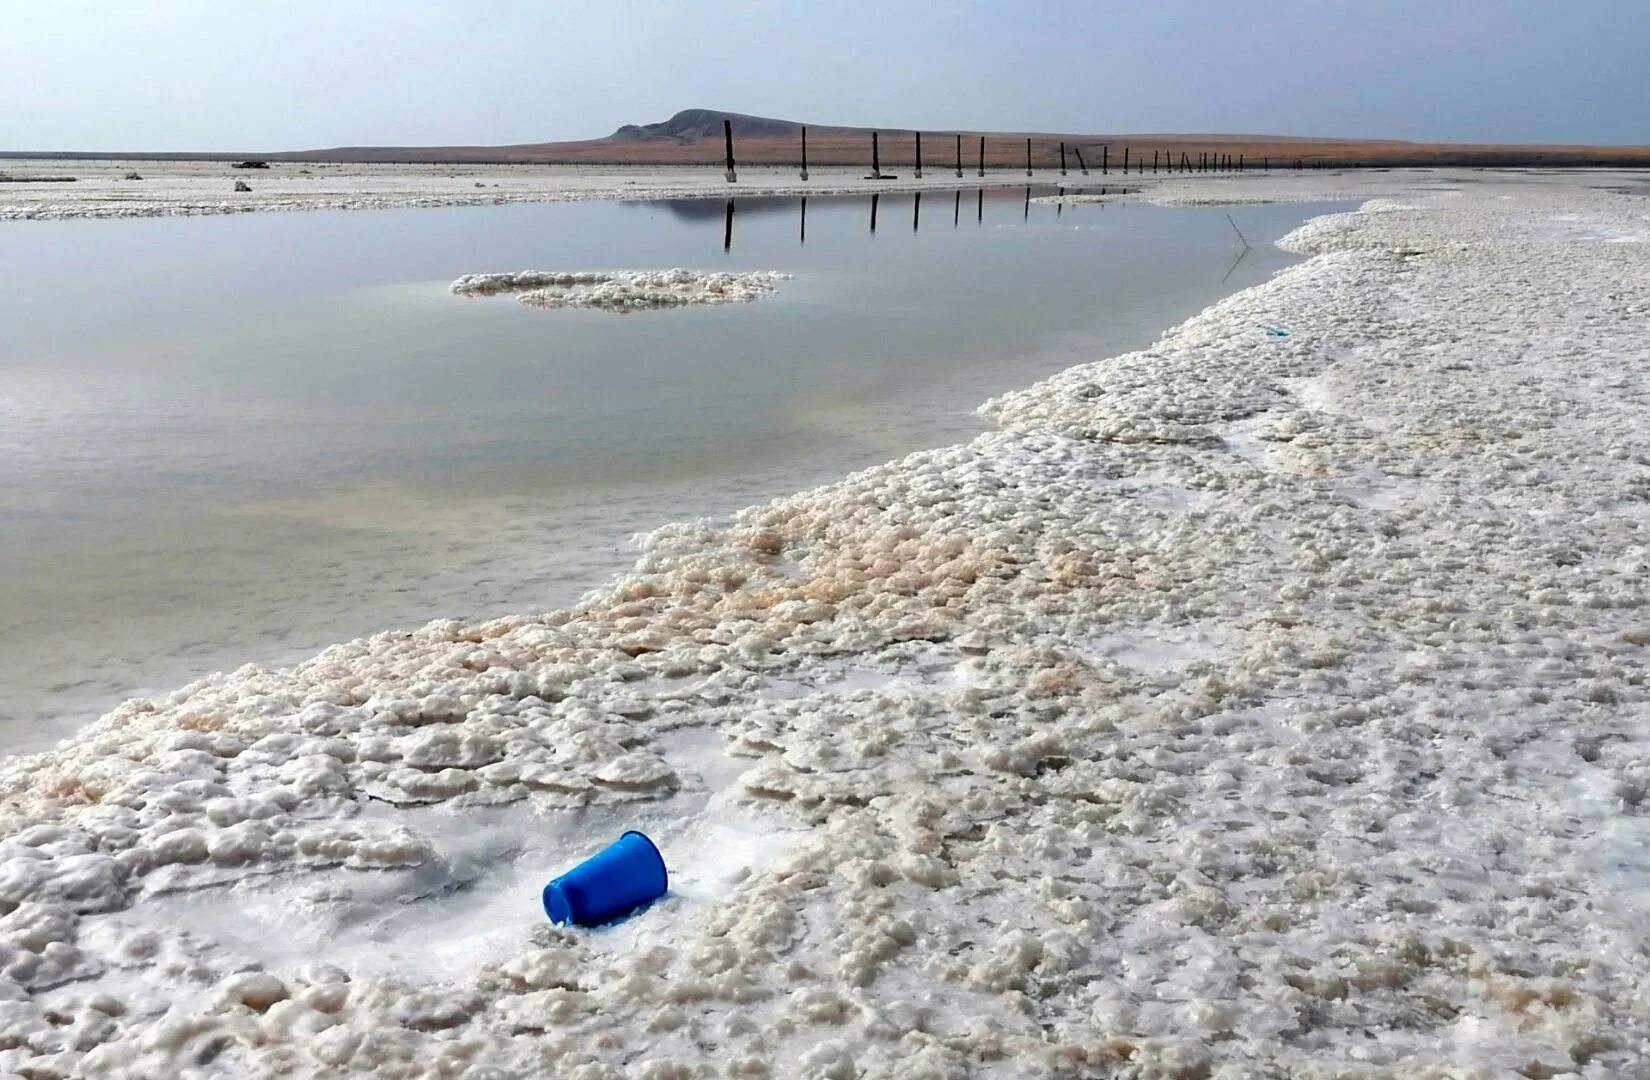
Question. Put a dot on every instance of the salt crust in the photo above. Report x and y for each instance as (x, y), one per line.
(622, 291)
(1386, 819)
(192, 189)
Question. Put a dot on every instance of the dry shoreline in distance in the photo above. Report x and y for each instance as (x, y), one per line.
(192, 189)
(695, 137)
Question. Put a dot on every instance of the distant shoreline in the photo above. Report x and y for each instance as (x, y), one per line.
(129, 188)
(1488, 158)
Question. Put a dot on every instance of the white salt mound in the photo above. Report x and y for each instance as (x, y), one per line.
(622, 291)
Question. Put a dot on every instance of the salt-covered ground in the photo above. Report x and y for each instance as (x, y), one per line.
(1256, 705)
(622, 291)
(172, 188)
(190, 188)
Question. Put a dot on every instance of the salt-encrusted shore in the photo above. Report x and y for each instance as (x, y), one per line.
(189, 189)
(1267, 703)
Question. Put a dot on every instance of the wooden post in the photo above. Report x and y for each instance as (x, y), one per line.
(1154, 162)
(1125, 161)
(916, 170)
(959, 158)
(727, 227)
(1185, 162)
(1028, 157)
(1082, 168)
(727, 134)
(1240, 163)
(1265, 164)
(876, 172)
(804, 153)
(1062, 159)
(1104, 150)
(982, 155)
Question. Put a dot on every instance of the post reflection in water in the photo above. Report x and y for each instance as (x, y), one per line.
(1060, 205)
(756, 208)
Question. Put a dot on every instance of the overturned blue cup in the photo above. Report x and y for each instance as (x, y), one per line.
(615, 881)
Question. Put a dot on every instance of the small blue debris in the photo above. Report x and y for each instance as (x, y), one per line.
(1276, 332)
(627, 874)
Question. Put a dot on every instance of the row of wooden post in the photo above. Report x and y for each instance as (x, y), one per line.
(1206, 162)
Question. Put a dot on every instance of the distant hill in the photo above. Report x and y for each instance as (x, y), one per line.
(691, 125)
(694, 137)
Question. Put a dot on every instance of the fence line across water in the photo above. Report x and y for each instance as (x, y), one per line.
(1208, 161)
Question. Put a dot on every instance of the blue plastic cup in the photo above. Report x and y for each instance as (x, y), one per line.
(615, 881)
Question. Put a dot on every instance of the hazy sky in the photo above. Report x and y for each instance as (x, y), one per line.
(289, 74)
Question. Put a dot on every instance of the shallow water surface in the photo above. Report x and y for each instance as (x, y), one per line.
(234, 439)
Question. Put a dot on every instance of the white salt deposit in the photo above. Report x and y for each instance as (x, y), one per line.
(192, 189)
(1081, 197)
(1246, 706)
(622, 291)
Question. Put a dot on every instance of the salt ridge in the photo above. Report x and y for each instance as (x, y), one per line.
(1383, 816)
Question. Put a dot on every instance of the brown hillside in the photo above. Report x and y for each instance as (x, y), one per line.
(694, 137)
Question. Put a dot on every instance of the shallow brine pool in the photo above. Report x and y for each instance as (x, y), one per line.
(235, 439)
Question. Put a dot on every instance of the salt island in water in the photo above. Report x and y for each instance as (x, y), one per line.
(622, 290)
(1252, 704)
